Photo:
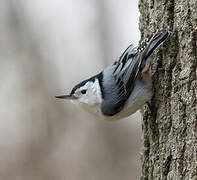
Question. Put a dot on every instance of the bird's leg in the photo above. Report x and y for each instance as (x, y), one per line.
(146, 71)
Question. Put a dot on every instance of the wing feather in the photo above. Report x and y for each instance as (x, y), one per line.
(123, 77)
(119, 79)
(126, 72)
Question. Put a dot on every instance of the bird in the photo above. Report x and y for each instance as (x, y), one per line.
(123, 87)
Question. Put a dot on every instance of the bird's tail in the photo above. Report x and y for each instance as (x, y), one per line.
(149, 45)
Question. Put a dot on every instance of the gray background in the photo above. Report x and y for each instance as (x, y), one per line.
(46, 47)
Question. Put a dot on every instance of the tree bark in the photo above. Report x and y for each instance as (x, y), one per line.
(170, 120)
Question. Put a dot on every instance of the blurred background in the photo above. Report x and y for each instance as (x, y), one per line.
(46, 47)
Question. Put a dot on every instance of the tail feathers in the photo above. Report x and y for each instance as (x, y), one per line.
(148, 46)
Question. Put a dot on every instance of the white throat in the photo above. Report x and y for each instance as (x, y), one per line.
(91, 101)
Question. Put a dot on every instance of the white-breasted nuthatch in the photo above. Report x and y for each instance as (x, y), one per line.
(122, 88)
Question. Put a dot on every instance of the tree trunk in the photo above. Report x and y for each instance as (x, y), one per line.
(170, 120)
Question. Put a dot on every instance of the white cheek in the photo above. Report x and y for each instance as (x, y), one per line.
(93, 95)
(97, 92)
(89, 99)
(83, 99)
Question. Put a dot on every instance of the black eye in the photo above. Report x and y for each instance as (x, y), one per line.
(83, 91)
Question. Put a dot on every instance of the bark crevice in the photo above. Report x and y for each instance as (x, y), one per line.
(170, 119)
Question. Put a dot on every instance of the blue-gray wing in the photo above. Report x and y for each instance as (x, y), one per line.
(126, 71)
(121, 80)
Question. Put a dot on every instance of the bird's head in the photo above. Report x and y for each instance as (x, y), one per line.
(87, 93)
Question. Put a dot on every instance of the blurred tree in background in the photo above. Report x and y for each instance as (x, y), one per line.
(43, 44)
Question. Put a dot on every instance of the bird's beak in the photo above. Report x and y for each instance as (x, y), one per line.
(69, 97)
(155, 40)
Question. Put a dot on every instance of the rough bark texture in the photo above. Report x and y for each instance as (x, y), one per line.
(170, 120)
